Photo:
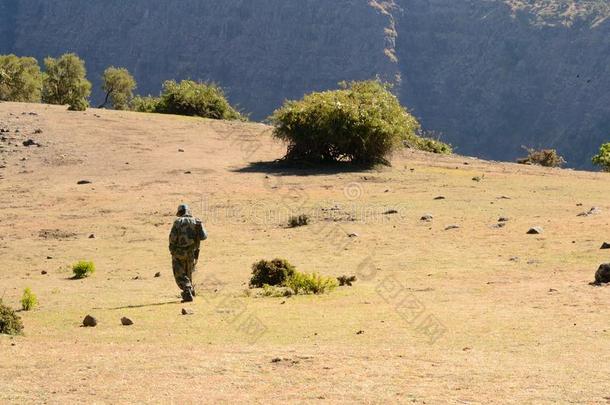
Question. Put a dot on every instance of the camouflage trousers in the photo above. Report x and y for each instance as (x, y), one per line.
(183, 267)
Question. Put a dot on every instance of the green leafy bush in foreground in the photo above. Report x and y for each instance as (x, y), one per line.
(29, 300)
(271, 272)
(83, 269)
(304, 283)
(10, 323)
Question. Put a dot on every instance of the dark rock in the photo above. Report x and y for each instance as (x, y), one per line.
(43, 272)
(92, 236)
(503, 219)
(180, 150)
(452, 227)
(605, 245)
(276, 360)
(49, 257)
(499, 225)
(535, 230)
(602, 275)
(89, 322)
(360, 332)
(187, 172)
(158, 274)
(81, 182)
(427, 217)
(440, 197)
(390, 212)
(187, 311)
(126, 321)
(353, 235)
(38, 131)
(514, 259)
(30, 142)
(476, 178)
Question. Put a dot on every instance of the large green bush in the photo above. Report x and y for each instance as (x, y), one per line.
(363, 122)
(191, 98)
(602, 159)
(20, 79)
(271, 272)
(65, 82)
(10, 323)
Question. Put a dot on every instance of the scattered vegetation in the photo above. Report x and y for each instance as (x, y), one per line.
(300, 220)
(190, 98)
(542, 157)
(275, 291)
(65, 82)
(147, 104)
(602, 159)
(10, 323)
(119, 85)
(362, 123)
(29, 300)
(429, 142)
(304, 283)
(272, 273)
(20, 79)
(83, 269)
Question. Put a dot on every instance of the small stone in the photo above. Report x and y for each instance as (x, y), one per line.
(535, 230)
(187, 172)
(552, 290)
(390, 212)
(503, 219)
(605, 245)
(360, 332)
(476, 178)
(440, 197)
(353, 235)
(499, 225)
(43, 272)
(30, 142)
(452, 227)
(49, 257)
(92, 236)
(276, 360)
(187, 311)
(89, 322)
(158, 274)
(427, 217)
(126, 321)
(514, 259)
(81, 182)
(180, 150)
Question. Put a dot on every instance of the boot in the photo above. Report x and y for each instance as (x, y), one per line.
(187, 296)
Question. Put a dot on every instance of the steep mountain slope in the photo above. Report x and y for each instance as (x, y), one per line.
(490, 75)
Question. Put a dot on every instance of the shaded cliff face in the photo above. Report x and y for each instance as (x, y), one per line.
(490, 75)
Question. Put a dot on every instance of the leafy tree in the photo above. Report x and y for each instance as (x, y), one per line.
(362, 122)
(65, 82)
(602, 159)
(20, 79)
(119, 85)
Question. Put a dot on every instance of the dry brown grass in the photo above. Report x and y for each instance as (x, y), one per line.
(524, 331)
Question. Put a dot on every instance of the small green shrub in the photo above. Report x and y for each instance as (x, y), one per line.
(10, 323)
(146, 104)
(304, 283)
(83, 269)
(273, 273)
(29, 300)
(427, 143)
(297, 221)
(362, 123)
(602, 159)
(542, 157)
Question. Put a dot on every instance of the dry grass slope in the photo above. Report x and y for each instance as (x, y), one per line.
(520, 323)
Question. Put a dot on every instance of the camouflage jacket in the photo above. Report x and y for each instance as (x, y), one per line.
(185, 236)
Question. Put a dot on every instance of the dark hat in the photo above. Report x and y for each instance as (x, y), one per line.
(182, 209)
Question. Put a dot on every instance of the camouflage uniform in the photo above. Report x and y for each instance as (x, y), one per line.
(184, 239)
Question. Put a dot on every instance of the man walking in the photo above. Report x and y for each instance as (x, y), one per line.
(184, 243)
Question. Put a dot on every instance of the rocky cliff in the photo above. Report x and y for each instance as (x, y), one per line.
(491, 75)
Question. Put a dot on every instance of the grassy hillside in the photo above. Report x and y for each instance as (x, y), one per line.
(476, 314)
